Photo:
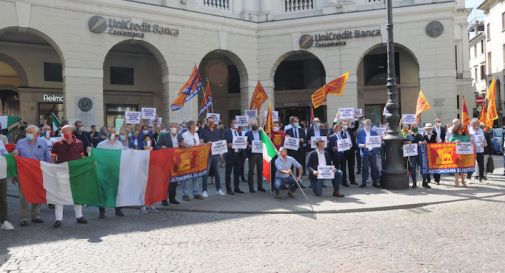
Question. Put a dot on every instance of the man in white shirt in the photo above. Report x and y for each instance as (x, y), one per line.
(479, 140)
(190, 138)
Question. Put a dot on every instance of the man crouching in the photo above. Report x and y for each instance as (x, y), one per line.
(284, 173)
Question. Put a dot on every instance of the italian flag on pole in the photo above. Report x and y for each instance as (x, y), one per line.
(132, 177)
(269, 152)
(68, 183)
(7, 121)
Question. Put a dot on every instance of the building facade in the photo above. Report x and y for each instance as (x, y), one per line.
(94, 59)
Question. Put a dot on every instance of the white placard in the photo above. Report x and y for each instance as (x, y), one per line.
(132, 117)
(151, 122)
(409, 119)
(326, 172)
(257, 147)
(346, 113)
(148, 113)
(219, 147)
(239, 142)
(358, 112)
(216, 117)
(313, 140)
(373, 142)
(291, 143)
(381, 131)
(242, 121)
(252, 114)
(464, 148)
(479, 139)
(344, 144)
(410, 150)
(421, 131)
(275, 115)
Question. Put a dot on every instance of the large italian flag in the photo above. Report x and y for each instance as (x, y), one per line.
(133, 177)
(7, 121)
(68, 183)
(7, 166)
(269, 152)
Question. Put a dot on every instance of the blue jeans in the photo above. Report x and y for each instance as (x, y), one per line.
(290, 181)
(317, 184)
(214, 161)
(185, 185)
(370, 161)
(413, 163)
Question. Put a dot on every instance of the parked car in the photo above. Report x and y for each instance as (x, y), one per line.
(497, 140)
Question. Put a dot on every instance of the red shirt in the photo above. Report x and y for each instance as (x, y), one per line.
(277, 138)
(65, 152)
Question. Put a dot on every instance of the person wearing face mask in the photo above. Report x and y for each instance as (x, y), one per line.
(170, 140)
(430, 136)
(208, 135)
(144, 131)
(296, 132)
(284, 173)
(189, 139)
(316, 130)
(368, 157)
(350, 155)
(111, 143)
(478, 138)
(277, 135)
(232, 159)
(83, 136)
(34, 147)
(320, 157)
(337, 156)
(441, 132)
(413, 137)
(458, 134)
(67, 149)
(255, 159)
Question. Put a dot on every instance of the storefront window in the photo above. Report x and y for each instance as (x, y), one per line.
(115, 111)
(45, 110)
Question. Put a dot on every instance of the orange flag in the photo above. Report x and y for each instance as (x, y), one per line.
(269, 122)
(465, 119)
(422, 104)
(189, 90)
(337, 86)
(318, 97)
(491, 113)
(258, 98)
(483, 117)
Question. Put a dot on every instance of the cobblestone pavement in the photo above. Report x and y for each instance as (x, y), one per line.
(465, 236)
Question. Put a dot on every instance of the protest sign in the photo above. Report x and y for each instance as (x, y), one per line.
(242, 121)
(410, 150)
(148, 113)
(252, 114)
(441, 158)
(275, 115)
(464, 148)
(216, 117)
(344, 144)
(381, 131)
(132, 117)
(409, 119)
(358, 112)
(346, 113)
(326, 172)
(479, 139)
(373, 142)
(151, 122)
(291, 143)
(239, 142)
(219, 147)
(257, 147)
(313, 140)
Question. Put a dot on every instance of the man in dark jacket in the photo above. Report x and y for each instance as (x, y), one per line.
(316, 130)
(320, 157)
(255, 158)
(83, 136)
(296, 132)
(170, 140)
(233, 159)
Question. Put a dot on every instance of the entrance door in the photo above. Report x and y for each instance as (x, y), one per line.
(45, 110)
(374, 112)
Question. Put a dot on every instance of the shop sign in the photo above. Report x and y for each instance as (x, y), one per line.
(51, 98)
(337, 38)
(124, 27)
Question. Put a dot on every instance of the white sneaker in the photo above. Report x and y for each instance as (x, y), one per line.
(7, 226)
(205, 194)
(221, 192)
(143, 210)
(152, 209)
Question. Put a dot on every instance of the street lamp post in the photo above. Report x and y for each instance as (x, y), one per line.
(394, 175)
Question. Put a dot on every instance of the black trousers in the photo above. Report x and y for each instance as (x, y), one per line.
(350, 157)
(255, 162)
(358, 160)
(242, 157)
(232, 163)
(480, 162)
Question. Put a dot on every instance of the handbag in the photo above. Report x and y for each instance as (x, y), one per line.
(490, 164)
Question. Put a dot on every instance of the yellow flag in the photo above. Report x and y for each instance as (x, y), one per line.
(422, 104)
(491, 113)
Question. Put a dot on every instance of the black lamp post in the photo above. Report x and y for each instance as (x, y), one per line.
(394, 175)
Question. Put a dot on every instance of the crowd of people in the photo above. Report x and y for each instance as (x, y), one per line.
(72, 141)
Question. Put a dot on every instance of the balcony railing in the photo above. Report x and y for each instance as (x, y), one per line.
(298, 5)
(217, 4)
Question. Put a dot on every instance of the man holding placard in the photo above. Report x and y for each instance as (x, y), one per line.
(319, 161)
(479, 140)
(368, 153)
(413, 137)
(255, 156)
(316, 130)
(170, 140)
(296, 132)
(232, 158)
(211, 134)
(338, 144)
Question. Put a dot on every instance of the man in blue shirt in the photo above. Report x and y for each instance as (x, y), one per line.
(34, 147)
(284, 172)
(368, 157)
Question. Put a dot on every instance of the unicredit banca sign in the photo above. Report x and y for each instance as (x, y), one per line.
(122, 27)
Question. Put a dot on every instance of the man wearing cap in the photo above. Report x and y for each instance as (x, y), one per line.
(284, 173)
(320, 157)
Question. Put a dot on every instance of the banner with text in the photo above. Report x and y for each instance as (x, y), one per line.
(441, 158)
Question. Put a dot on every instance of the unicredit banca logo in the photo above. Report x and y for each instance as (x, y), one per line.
(97, 24)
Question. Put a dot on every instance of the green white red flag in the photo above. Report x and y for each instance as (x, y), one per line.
(269, 152)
